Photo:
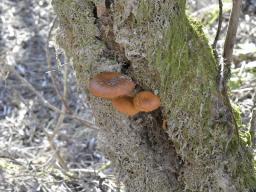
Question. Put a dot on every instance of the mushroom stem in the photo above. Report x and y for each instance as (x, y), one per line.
(125, 105)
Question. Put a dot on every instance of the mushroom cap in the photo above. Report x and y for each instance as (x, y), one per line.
(125, 105)
(146, 101)
(110, 85)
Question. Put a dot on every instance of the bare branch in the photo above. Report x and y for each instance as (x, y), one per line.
(225, 65)
(219, 26)
(49, 65)
(50, 138)
(61, 117)
(231, 33)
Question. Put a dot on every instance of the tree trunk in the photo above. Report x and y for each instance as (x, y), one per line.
(191, 143)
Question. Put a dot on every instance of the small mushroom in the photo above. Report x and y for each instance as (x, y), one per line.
(146, 101)
(110, 85)
(125, 105)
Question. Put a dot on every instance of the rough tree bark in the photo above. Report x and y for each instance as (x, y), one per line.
(191, 143)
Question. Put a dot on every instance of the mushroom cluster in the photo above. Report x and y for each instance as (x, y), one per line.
(118, 88)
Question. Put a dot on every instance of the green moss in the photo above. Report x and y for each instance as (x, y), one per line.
(188, 72)
(245, 170)
(237, 114)
(244, 135)
(180, 61)
(144, 12)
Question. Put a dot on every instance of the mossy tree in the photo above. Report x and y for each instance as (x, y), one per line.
(191, 143)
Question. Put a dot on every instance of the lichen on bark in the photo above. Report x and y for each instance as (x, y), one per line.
(162, 50)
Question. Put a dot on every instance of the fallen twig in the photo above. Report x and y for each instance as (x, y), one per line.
(61, 117)
(46, 103)
(59, 158)
(50, 138)
(50, 66)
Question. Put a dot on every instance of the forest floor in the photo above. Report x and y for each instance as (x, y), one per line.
(41, 149)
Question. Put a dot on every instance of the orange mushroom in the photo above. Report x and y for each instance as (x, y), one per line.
(118, 87)
(146, 101)
(110, 85)
(125, 105)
